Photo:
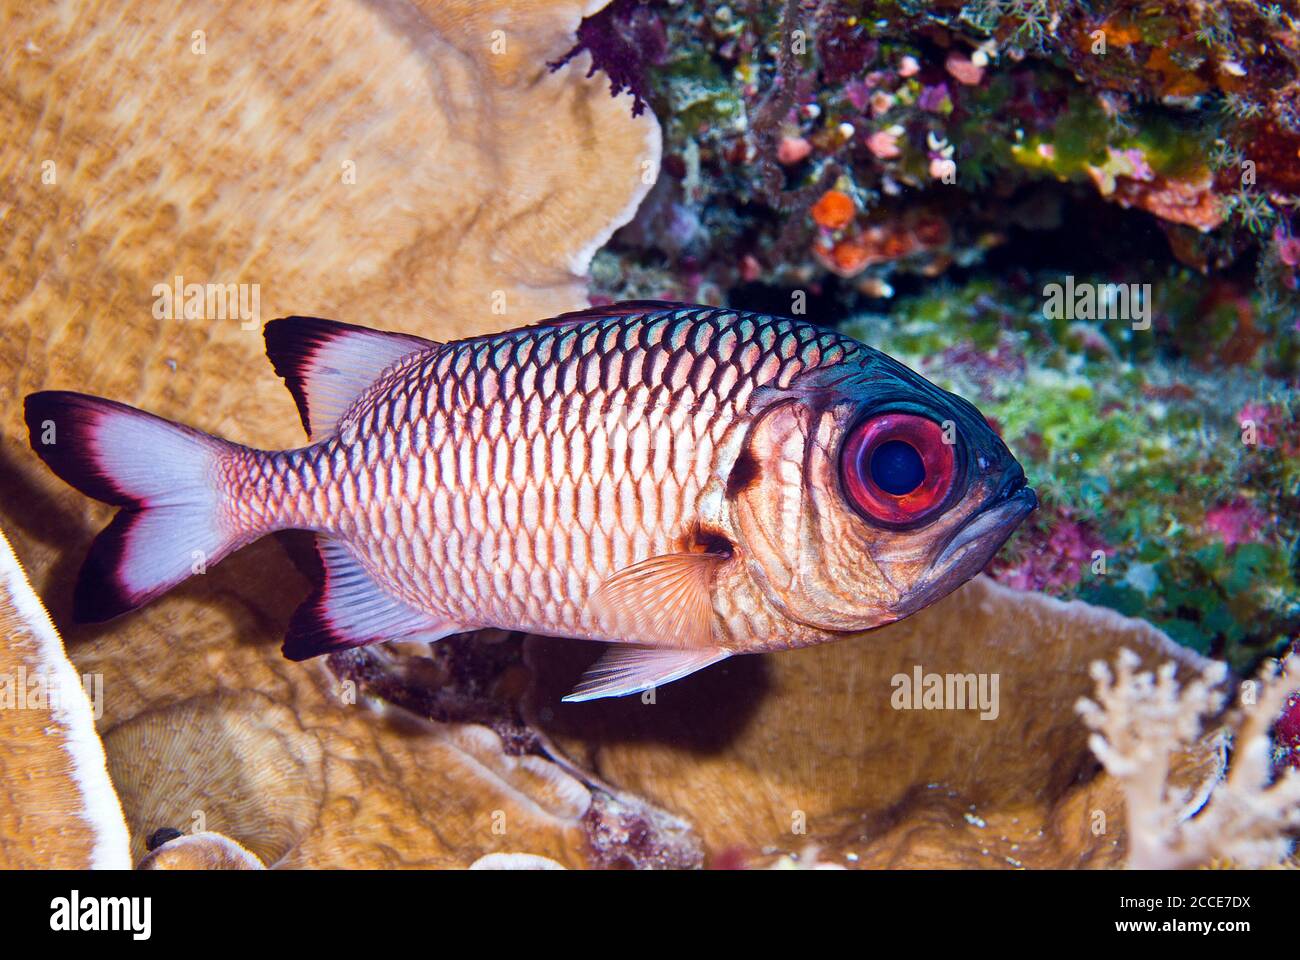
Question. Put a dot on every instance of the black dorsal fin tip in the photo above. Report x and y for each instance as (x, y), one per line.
(327, 364)
(289, 347)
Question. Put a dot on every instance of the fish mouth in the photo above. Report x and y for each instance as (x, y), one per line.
(973, 545)
(988, 530)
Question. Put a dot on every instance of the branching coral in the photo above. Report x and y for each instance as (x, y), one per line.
(1140, 720)
(768, 126)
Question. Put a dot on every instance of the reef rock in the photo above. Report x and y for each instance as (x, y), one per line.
(833, 746)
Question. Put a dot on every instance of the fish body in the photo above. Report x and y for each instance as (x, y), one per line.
(686, 483)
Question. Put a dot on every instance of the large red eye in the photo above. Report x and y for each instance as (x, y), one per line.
(897, 468)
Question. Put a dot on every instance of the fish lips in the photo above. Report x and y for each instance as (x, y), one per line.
(973, 545)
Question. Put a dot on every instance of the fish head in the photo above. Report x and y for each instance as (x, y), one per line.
(863, 493)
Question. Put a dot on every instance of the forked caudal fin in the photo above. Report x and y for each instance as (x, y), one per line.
(164, 477)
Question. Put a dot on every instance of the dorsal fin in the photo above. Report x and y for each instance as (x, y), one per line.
(326, 364)
(626, 308)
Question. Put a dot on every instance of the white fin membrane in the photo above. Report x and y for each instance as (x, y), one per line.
(626, 668)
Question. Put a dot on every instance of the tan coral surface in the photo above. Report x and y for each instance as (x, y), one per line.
(57, 806)
(481, 183)
(769, 754)
(411, 166)
(201, 851)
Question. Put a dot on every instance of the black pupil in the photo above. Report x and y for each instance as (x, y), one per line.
(896, 467)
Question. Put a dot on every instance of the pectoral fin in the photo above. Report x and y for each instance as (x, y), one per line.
(665, 601)
(625, 669)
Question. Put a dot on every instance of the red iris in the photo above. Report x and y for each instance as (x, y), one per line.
(896, 467)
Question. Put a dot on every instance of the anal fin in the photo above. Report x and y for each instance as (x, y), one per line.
(627, 668)
(348, 609)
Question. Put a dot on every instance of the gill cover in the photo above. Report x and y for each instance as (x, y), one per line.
(862, 475)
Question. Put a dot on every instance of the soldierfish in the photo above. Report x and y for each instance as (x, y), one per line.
(685, 483)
